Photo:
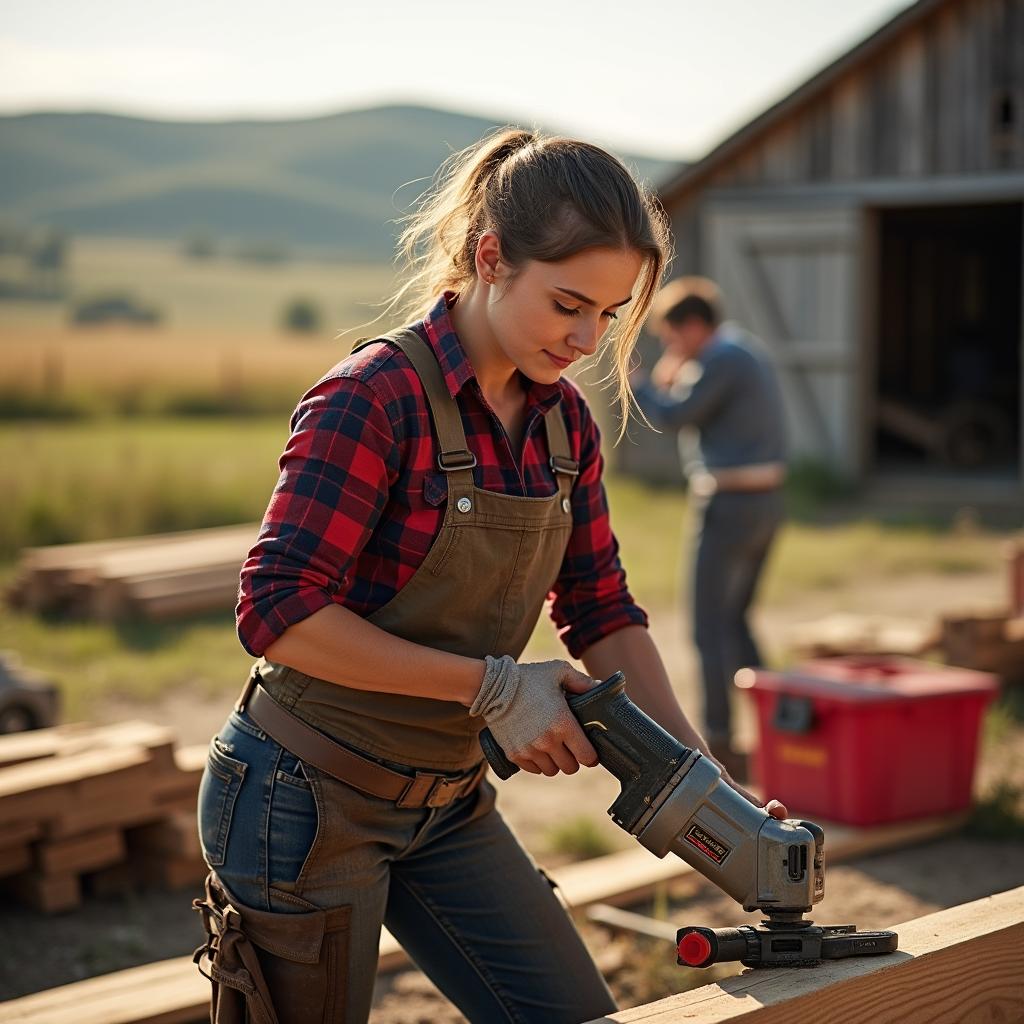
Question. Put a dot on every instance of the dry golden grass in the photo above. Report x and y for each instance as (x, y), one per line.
(132, 369)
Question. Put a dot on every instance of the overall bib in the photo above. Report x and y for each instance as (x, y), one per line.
(325, 810)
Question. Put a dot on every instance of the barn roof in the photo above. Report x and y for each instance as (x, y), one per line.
(693, 174)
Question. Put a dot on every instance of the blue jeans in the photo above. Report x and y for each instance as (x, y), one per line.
(452, 884)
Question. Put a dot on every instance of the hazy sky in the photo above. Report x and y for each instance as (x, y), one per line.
(656, 76)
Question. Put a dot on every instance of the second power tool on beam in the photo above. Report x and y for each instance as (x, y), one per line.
(673, 799)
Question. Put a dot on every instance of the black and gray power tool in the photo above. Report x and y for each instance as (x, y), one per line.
(673, 799)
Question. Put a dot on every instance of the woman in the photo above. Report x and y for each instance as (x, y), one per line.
(438, 485)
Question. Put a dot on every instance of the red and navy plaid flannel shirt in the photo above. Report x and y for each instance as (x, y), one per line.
(360, 499)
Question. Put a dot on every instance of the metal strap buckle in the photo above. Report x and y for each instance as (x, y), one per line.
(561, 464)
(452, 461)
(438, 795)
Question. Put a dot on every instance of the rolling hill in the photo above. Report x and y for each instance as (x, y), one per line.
(331, 182)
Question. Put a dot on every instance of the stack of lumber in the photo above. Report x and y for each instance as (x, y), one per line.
(842, 634)
(101, 807)
(987, 641)
(991, 640)
(156, 577)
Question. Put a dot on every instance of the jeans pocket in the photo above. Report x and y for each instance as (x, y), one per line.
(218, 792)
(294, 821)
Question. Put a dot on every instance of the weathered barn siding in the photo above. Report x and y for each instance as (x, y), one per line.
(927, 111)
(932, 101)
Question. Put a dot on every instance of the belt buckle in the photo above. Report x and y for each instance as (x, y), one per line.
(461, 785)
(438, 795)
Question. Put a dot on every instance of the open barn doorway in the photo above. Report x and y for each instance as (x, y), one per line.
(948, 399)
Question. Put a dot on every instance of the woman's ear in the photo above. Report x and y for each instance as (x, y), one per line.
(488, 257)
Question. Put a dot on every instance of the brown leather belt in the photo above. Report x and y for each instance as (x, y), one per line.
(423, 789)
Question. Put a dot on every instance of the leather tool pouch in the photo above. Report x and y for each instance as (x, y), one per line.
(301, 958)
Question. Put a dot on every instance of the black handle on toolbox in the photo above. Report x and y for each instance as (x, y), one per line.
(793, 713)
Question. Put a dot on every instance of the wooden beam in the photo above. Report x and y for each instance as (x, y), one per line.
(959, 964)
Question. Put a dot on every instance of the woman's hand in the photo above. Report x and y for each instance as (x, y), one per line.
(524, 707)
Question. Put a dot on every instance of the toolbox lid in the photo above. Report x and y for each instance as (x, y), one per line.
(858, 678)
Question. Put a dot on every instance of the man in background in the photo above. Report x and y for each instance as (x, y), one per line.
(716, 385)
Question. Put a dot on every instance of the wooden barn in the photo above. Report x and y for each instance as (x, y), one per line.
(869, 228)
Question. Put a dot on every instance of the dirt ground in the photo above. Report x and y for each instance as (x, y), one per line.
(105, 935)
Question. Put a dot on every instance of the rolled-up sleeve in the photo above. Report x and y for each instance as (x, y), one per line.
(590, 599)
(335, 474)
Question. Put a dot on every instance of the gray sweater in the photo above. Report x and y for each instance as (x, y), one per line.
(730, 394)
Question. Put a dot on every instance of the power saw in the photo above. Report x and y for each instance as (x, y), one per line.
(673, 799)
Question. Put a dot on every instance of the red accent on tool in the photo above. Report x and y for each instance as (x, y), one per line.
(694, 949)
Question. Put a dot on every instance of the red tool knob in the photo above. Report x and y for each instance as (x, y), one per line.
(695, 949)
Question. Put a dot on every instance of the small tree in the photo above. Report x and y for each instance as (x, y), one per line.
(302, 316)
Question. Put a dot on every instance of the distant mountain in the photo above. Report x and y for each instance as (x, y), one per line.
(333, 182)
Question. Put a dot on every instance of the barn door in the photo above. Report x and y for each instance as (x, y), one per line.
(791, 276)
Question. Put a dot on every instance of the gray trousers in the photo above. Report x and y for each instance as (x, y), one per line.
(733, 535)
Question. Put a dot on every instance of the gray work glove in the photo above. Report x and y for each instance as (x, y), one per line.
(525, 708)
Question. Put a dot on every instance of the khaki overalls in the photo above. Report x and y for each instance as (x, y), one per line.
(433, 859)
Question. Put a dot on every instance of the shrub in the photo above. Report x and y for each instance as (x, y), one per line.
(114, 306)
(301, 316)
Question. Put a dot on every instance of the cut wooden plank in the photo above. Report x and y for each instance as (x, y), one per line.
(164, 595)
(89, 766)
(135, 808)
(168, 992)
(157, 739)
(49, 894)
(80, 853)
(14, 859)
(17, 748)
(959, 964)
(19, 833)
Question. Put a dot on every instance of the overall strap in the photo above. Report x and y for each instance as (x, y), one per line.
(563, 466)
(454, 458)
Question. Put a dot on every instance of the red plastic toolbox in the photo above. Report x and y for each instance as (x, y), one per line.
(867, 740)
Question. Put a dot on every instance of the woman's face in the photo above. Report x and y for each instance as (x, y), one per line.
(545, 316)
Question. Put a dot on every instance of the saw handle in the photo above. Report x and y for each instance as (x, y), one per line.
(626, 740)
